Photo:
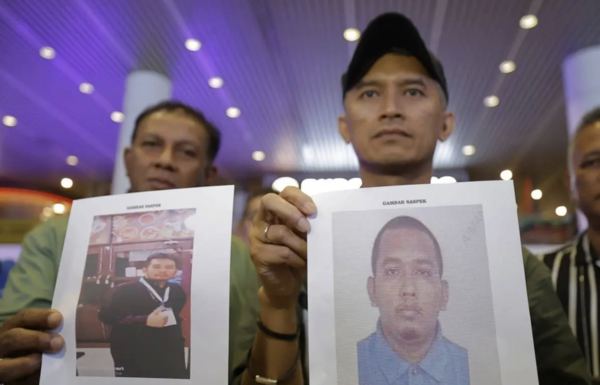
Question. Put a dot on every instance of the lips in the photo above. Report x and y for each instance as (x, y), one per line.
(408, 310)
(393, 132)
(161, 183)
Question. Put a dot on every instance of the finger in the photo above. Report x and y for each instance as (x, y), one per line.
(286, 212)
(36, 319)
(299, 199)
(282, 235)
(12, 369)
(19, 340)
(277, 255)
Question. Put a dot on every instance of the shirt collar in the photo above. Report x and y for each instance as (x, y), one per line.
(393, 367)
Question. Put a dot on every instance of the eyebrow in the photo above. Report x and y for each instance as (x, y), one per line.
(405, 82)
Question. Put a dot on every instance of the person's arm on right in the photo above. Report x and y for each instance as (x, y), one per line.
(24, 308)
(279, 256)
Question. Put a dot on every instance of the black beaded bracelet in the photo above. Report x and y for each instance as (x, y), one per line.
(278, 336)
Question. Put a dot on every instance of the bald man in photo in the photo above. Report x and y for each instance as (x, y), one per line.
(407, 287)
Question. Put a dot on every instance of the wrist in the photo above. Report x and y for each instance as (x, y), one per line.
(278, 315)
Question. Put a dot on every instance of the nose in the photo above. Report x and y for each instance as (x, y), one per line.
(407, 286)
(166, 159)
(392, 108)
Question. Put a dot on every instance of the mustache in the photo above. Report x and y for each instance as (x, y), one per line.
(408, 307)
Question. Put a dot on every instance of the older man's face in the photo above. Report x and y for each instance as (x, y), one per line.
(407, 286)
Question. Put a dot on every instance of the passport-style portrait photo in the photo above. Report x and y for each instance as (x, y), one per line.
(413, 297)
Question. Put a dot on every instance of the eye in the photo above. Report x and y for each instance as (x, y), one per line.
(149, 143)
(369, 94)
(591, 163)
(413, 92)
(423, 273)
(391, 271)
(189, 153)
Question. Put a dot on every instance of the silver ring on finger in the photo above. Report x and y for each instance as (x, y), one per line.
(265, 234)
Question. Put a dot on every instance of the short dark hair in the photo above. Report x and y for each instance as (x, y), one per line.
(214, 135)
(172, 257)
(405, 222)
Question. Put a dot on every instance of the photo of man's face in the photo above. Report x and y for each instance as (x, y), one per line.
(161, 269)
(407, 284)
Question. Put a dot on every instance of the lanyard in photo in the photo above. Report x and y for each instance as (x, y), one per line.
(154, 294)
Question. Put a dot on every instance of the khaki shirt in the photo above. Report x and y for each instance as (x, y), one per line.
(31, 285)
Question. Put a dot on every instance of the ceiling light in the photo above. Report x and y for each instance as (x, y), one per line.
(72, 160)
(258, 156)
(215, 82)
(233, 112)
(117, 117)
(468, 150)
(47, 53)
(47, 211)
(193, 44)
(9, 121)
(561, 211)
(280, 183)
(506, 175)
(86, 88)
(507, 66)
(446, 179)
(66, 182)
(491, 101)
(536, 194)
(528, 21)
(352, 34)
(58, 208)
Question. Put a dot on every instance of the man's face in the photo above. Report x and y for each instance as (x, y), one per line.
(395, 115)
(169, 151)
(586, 169)
(407, 286)
(161, 269)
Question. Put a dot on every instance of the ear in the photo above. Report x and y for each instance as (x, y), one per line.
(211, 174)
(128, 159)
(145, 269)
(371, 291)
(570, 183)
(447, 126)
(445, 295)
(343, 129)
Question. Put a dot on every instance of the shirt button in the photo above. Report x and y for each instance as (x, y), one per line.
(415, 370)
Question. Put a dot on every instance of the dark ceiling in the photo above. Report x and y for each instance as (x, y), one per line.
(280, 62)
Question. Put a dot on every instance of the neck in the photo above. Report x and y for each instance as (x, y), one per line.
(413, 174)
(160, 283)
(413, 350)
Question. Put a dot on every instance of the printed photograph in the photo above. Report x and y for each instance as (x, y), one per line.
(133, 314)
(413, 300)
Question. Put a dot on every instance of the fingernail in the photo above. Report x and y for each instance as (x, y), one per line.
(54, 319)
(56, 343)
(303, 225)
(310, 208)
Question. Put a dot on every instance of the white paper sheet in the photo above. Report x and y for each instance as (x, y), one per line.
(195, 225)
(487, 313)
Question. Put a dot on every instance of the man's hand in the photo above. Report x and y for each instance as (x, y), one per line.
(23, 339)
(157, 319)
(279, 254)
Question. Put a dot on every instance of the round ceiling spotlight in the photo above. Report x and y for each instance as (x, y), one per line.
(72, 160)
(507, 66)
(86, 88)
(506, 175)
(233, 112)
(47, 52)
(9, 121)
(491, 101)
(215, 82)
(117, 117)
(351, 34)
(561, 211)
(258, 156)
(280, 183)
(528, 21)
(193, 44)
(66, 182)
(468, 150)
(59, 208)
(536, 194)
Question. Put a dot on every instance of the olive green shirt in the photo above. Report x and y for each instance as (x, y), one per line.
(31, 285)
